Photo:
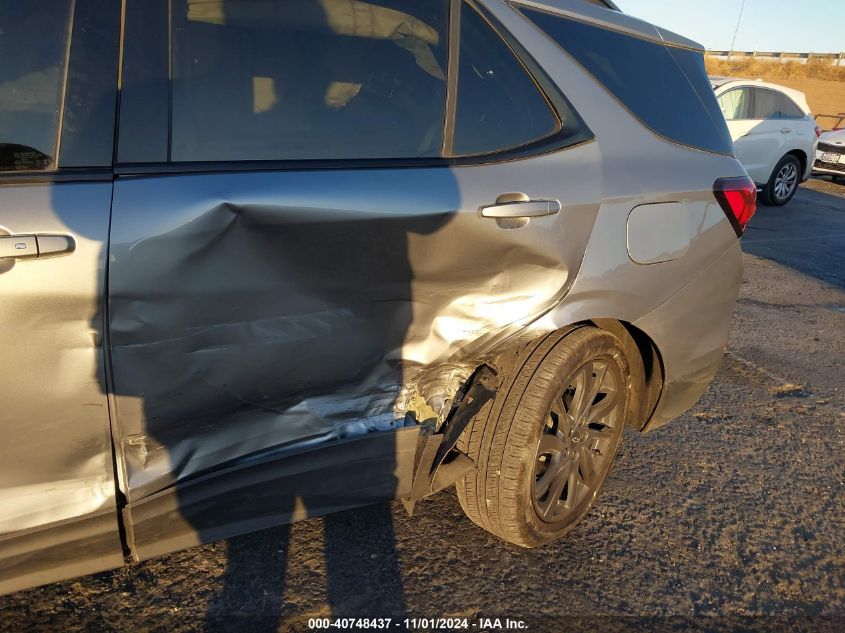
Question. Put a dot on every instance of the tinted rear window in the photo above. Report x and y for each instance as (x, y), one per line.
(769, 104)
(665, 87)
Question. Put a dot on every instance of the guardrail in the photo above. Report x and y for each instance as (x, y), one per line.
(834, 59)
(831, 121)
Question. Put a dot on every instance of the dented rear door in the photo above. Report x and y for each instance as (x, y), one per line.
(261, 306)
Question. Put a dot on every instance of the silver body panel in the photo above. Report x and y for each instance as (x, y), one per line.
(56, 457)
(263, 323)
(54, 403)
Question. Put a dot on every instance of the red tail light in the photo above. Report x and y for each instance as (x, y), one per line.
(738, 199)
(818, 131)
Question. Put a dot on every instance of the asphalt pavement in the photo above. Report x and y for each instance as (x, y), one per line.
(731, 517)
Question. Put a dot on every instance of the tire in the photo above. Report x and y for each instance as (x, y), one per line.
(524, 442)
(783, 183)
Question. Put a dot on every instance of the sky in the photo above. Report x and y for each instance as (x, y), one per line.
(795, 26)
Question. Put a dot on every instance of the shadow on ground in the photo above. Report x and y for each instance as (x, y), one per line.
(805, 234)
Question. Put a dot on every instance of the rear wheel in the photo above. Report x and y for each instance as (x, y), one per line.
(546, 444)
(783, 182)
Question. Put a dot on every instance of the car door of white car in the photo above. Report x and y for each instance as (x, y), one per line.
(736, 108)
(758, 137)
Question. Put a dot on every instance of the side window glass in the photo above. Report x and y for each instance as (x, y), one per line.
(734, 104)
(766, 104)
(34, 50)
(499, 106)
(308, 79)
(788, 108)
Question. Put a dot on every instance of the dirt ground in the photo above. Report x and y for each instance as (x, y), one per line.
(733, 516)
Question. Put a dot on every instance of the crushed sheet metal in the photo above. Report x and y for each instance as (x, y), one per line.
(255, 314)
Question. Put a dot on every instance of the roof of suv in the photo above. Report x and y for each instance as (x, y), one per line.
(605, 13)
(606, 3)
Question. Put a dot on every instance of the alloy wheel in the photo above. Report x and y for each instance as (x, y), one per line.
(786, 181)
(576, 447)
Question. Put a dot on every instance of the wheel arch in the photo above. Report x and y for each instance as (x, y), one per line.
(646, 363)
(801, 155)
(439, 387)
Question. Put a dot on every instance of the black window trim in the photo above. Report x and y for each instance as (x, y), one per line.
(64, 88)
(62, 174)
(525, 152)
(452, 70)
(562, 139)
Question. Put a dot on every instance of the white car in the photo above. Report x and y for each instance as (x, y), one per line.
(773, 131)
(830, 154)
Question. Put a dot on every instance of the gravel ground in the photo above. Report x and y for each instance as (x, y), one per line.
(732, 517)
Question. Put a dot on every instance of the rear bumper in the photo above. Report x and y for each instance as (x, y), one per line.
(691, 330)
(829, 168)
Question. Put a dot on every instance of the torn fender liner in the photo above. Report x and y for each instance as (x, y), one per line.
(437, 462)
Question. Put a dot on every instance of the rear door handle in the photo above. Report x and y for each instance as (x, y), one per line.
(35, 246)
(785, 130)
(521, 209)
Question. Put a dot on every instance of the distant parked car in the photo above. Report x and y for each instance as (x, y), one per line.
(773, 131)
(830, 154)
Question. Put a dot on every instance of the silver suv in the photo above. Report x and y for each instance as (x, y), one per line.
(263, 260)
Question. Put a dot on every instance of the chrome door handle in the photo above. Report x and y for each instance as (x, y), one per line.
(521, 209)
(785, 130)
(35, 246)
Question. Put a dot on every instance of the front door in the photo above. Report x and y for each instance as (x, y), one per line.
(58, 514)
(315, 230)
(759, 127)
(748, 133)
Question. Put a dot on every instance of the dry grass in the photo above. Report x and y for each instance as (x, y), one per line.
(773, 70)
